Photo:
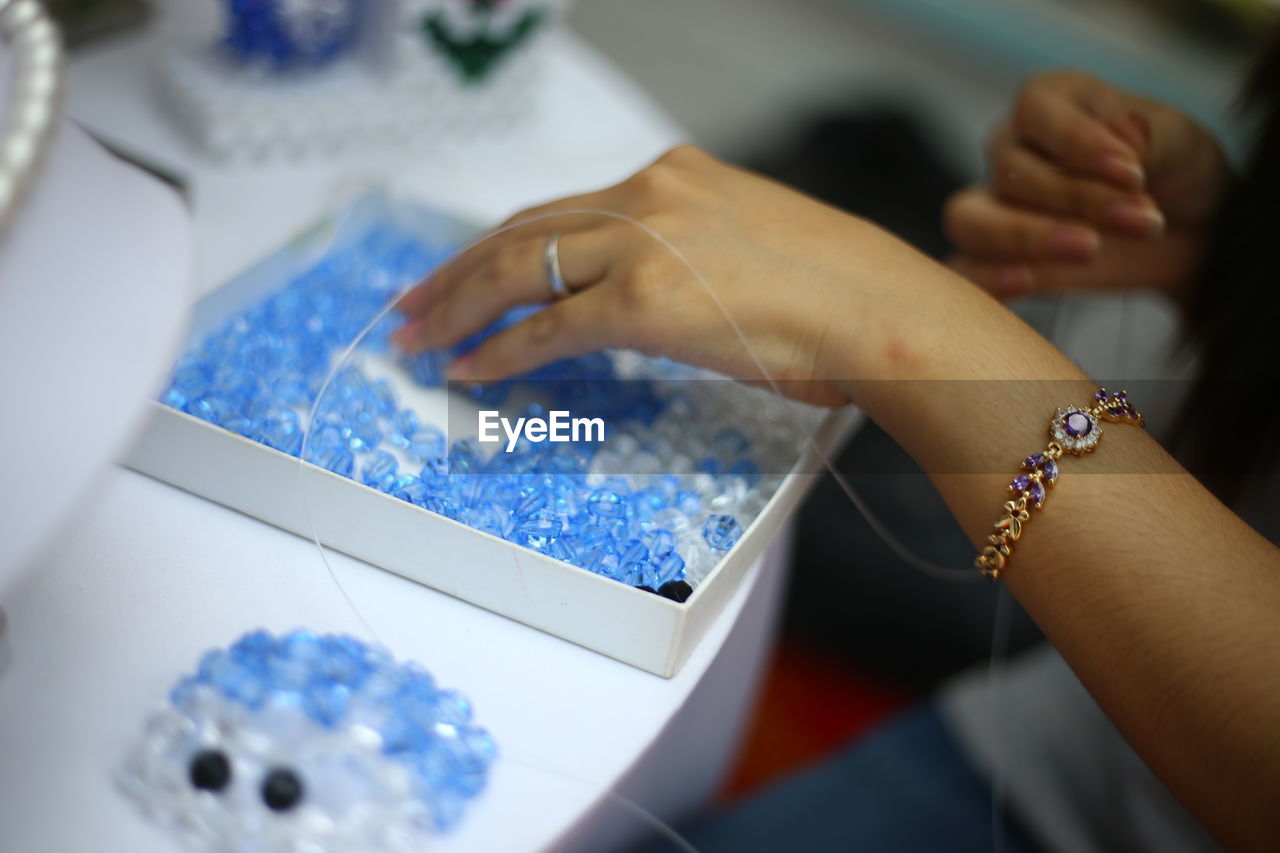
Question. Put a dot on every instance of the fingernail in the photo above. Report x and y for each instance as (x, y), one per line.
(1015, 280)
(404, 336)
(1074, 244)
(1136, 217)
(1139, 123)
(461, 368)
(1123, 170)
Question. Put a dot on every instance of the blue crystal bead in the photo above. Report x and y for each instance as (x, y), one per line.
(426, 442)
(464, 458)
(324, 435)
(604, 562)
(339, 460)
(380, 471)
(721, 532)
(607, 504)
(642, 573)
(382, 398)
(325, 702)
(428, 368)
(283, 431)
(240, 426)
(670, 568)
(414, 491)
(441, 506)
(562, 549)
(436, 467)
(292, 389)
(530, 502)
(688, 503)
(540, 528)
(490, 517)
(190, 382)
(661, 542)
(597, 537)
(403, 425)
(215, 410)
(647, 503)
(452, 708)
(362, 432)
(632, 551)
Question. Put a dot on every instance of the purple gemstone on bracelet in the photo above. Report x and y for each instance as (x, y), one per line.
(1077, 424)
(1118, 411)
(1033, 461)
(1036, 493)
(1100, 395)
(1020, 483)
(1122, 397)
(1050, 470)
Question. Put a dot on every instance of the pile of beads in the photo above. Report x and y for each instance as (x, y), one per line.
(655, 506)
(308, 742)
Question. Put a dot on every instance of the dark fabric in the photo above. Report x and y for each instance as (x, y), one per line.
(851, 594)
(849, 591)
(906, 786)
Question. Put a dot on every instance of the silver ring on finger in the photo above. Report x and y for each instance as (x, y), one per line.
(551, 260)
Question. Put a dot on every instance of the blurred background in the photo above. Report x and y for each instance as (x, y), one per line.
(882, 107)
(878, 106)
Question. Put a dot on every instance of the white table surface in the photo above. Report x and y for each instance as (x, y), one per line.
(153, 576)
(150, 576)
(591, 127)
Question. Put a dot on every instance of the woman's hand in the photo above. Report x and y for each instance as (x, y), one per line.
(798, 279)
(1089, 187)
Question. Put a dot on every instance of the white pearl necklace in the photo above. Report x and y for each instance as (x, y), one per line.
(33, 42)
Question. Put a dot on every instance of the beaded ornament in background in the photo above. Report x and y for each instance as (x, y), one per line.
(287, 78)
(692, 476)
(307, 742)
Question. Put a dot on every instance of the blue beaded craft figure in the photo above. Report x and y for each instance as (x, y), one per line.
(285, 33)
(308, 742)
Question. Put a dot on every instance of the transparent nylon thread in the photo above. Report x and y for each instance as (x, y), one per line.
(1000, 628)
(663, 830)
(895, 545)
(905, 554)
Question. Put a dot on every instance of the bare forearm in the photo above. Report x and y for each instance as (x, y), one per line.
(1163, 601)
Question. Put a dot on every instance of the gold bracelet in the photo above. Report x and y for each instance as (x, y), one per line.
(1072, 430)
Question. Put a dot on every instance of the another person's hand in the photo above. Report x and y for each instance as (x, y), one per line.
(1089, 187)
(801, 282)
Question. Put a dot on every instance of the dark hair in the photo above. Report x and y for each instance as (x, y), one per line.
(1229, 426)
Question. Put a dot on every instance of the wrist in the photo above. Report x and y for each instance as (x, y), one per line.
(952, 374)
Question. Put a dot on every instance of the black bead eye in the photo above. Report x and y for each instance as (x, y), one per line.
(209, 770)
(281, 789)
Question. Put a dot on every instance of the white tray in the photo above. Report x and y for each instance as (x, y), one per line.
(633, 626)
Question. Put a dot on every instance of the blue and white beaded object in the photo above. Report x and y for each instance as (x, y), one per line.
(635, 509)
(308, 742)
(280, 34)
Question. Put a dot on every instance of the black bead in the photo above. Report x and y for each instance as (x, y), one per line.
(281, 789)
(647, 589)
(676, 590)
(209, 770)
